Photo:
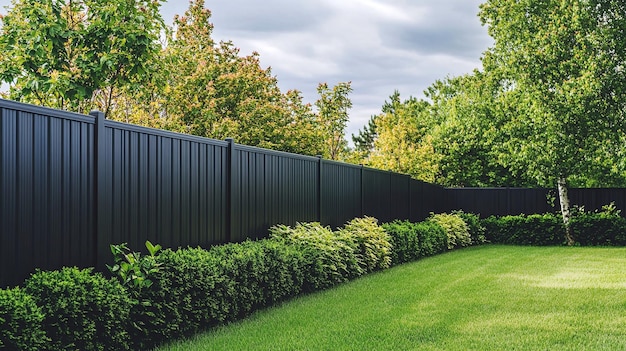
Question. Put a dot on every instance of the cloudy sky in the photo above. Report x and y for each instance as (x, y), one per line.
(378, 45)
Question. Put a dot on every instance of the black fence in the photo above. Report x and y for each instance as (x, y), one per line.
(513, 201)
(71, 185)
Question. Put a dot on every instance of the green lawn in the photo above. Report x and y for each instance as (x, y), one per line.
(483, 298)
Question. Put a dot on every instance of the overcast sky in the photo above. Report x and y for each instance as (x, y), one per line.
(378, 45)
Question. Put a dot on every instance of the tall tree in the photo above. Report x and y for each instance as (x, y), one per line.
(208, 89)
(468, 133)
(73, 54)
(364, 139)
(404, 143)
(566, 59)
(333, 105)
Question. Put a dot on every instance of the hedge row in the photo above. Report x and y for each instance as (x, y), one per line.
(597, 228)
(168, 294)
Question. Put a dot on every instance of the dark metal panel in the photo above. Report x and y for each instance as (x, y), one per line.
(166, 190)
(377, 194)
(8, 199)
(271, 188)
(399, 196)
(45, 172)
(341, 197)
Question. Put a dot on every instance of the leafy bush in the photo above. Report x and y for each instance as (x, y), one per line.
(20, 322)
(474, 225)
(536, 229)
(332, 256)
(373, 246)
(455, 228)
(411, 241)
(136, 273)
(83, 310)
(605, 227)
(196, 288)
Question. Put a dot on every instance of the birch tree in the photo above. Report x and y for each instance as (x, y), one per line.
(566, 61)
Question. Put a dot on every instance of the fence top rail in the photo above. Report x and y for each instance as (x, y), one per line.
(163, 133)
(381, 171)
(45, 111)
(339, 163)
(273, 152)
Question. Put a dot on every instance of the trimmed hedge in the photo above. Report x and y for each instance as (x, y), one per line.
(373, 247)
(474, 225)
(455, 227)
(83, 310)
(599, 228)
(411, 241)
(21, 322)
(536, 229)
(174, 293)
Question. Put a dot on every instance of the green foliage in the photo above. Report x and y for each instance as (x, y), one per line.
(83, 310)
(136, 273)
(133, 269)
(20, 322)
(72, 54)
(474, 225)
(332, 256)
(411, 241)
(332, 116)
(455, 227)
(205, 88)
(373, 246)
(536, 229)
(404, 142)
(599, 228)
(196, 288)
(364, 140)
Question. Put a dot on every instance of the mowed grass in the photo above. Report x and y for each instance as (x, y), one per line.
(482, 298)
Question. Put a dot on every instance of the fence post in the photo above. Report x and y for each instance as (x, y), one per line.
(319, 188)
(362, 192)
(99, 201)
(229, 188)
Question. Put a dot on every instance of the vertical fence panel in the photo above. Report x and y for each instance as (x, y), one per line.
(271, 187)
(164, 187)
(46, 218)
(377, 200)
(340, 191)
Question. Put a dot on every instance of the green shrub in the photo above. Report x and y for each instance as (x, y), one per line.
(433, 237)
(332, 256)
(474, 225)
(536, 229)
(197, 288)
(411, 241)
(83, 310)
(455, 227)
(373, 246)
(136, 273)
(599, 228)
(20, 322)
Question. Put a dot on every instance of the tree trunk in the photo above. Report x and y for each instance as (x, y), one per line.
(565, 210)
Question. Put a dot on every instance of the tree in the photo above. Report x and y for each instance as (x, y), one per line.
(208, 89)
(364, 140)
(468, 133)
(404, 143)
(333, 105)
(75, 54)
(565, 60)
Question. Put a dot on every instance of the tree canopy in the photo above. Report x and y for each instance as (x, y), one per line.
(75, 54)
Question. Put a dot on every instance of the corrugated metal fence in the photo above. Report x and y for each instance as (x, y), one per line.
(71, 185)
(514, 201)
